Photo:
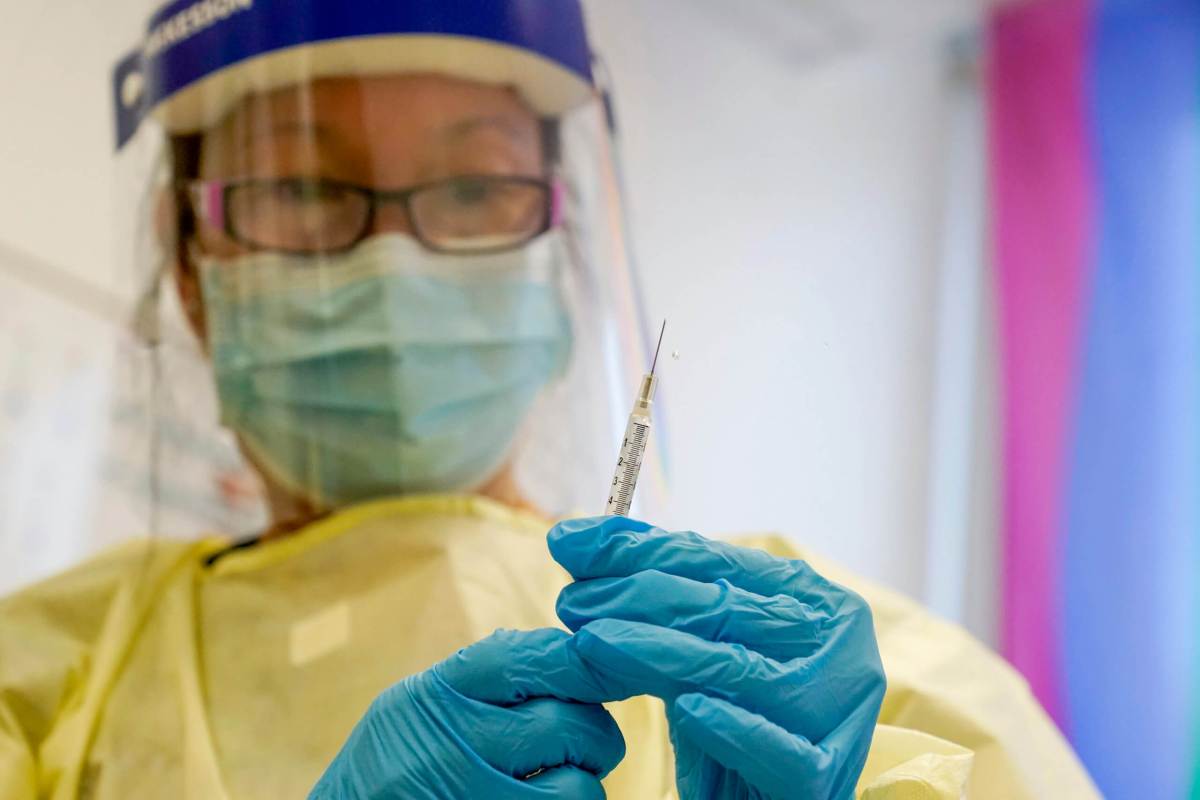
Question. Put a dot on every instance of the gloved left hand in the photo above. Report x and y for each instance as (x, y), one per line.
(514, 716)
(770, 673)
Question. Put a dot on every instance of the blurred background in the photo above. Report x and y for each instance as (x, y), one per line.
(935, 260)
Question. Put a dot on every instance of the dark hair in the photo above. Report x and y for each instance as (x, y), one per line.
(184, 167)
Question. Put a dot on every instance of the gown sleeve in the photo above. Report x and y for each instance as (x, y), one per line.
(957, 720)
(48, 632)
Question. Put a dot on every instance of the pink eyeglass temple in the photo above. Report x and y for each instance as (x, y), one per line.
(558, 201)
(209, 196)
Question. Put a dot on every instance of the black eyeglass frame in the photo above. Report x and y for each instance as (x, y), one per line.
(210, 201)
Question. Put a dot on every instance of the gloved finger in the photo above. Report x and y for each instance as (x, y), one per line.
(779, 626)
(614, 547)
(564, 782)
(511, 667)
(777, 763)
(635, 658)
(542, 734)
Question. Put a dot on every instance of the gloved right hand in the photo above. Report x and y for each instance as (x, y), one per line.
(496, 720)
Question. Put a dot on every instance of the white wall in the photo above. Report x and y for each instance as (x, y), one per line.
(56, 141)
(787, 217)
(786, 201)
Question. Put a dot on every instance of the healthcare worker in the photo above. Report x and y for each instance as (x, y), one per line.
(386, 239)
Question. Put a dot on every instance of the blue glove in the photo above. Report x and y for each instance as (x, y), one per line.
(495, 720)
(770, 673)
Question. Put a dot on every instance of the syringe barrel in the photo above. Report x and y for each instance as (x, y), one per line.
(629, 463)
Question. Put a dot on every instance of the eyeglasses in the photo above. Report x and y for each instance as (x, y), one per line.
(463, 214)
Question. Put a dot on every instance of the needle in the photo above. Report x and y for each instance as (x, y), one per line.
(654, 363)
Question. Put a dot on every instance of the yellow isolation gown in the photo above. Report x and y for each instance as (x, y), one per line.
(148, 672)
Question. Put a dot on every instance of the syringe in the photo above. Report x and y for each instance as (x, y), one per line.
(637, 434)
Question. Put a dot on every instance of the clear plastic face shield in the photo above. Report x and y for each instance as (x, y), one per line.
(374, 265)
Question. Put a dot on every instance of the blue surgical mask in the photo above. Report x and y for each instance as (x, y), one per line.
(387, 369)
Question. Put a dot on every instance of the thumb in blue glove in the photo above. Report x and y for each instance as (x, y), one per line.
(499, 719)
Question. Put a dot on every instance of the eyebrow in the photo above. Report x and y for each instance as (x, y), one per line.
(454, 131)
(333, 144)
(502, 122)
(291, 127)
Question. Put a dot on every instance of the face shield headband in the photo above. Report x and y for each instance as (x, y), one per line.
(195, 50)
